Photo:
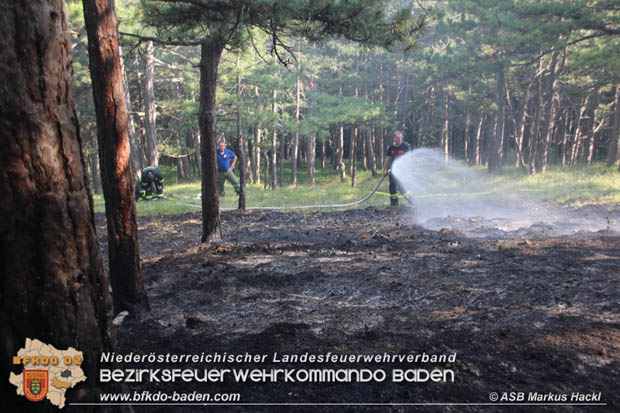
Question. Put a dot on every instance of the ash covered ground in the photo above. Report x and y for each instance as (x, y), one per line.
(525, 310)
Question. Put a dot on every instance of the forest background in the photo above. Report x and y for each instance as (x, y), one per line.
(517, 87)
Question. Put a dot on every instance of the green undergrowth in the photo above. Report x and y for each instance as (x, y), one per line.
(572, 186)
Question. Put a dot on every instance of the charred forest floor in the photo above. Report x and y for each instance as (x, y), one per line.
(528, 314)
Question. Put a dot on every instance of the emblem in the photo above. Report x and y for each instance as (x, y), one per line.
(36, 384)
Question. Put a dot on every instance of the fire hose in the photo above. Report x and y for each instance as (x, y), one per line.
(268, 208)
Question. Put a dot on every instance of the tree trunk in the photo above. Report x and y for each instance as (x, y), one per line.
(95, 166)
(534, 140)
(352, 155)
(553, 107)
(370, 150)
(136, 164)
(267, 169)
(362, 151)
(381, 146)
(340, 153)
(592, 133)
(568, 127)
(181, 168)
(240, 142)
(274, 141)
(614, 137)
(311, 141)
(281, 160)
(496, 151)
(150, 110)
(53, 284)
(209, 61)
(479, 140)
(445, 135)
(525, 114)
(114, 151)
(466, 145)
(256, 150)
(295, 149)
(578, 140)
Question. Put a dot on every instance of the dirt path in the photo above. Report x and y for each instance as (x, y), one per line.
(531, 313)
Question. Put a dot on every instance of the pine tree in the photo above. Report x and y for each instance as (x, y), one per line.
(216, 25)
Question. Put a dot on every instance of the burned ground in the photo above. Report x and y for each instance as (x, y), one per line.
(527, 313)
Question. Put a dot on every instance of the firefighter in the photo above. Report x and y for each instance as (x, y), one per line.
(151, 176)
(397, 148)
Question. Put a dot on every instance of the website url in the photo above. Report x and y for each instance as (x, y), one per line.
(147, 396)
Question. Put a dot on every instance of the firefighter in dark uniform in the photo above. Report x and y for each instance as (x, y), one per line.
(397, 148)
(151, 176)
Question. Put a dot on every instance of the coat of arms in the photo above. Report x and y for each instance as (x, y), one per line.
(36, 384)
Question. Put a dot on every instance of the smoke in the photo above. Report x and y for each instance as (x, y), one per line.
(445, 194)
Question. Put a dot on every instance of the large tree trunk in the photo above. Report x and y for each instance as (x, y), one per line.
(114, 152)
(136, 164)
(209, 61)
(150, 110)
(53, 285)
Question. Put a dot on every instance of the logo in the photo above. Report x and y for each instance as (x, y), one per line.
(36, 384)
(48, 373)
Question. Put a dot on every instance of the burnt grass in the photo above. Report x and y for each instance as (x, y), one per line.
(524, 314)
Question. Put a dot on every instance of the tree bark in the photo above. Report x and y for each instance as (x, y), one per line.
(274, 141)
(592, 134)
(370, 150)
(281, 160)
(568, 127)
(210, 54)
(53, 285)
(240, 143)
(150, 110)
(362, 150)
(114, 151)
(552, 111)
(340, 153)
(496, 161)
(578, 140)
(136, 164)
(614, 138)
(478, 145)
(295, 148)
(95, 166)
(352, 154)
(256, 150)
(311, 142)
(445, 135)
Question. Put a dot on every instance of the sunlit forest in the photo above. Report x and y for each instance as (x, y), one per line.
(494, 83)
(345, 205)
